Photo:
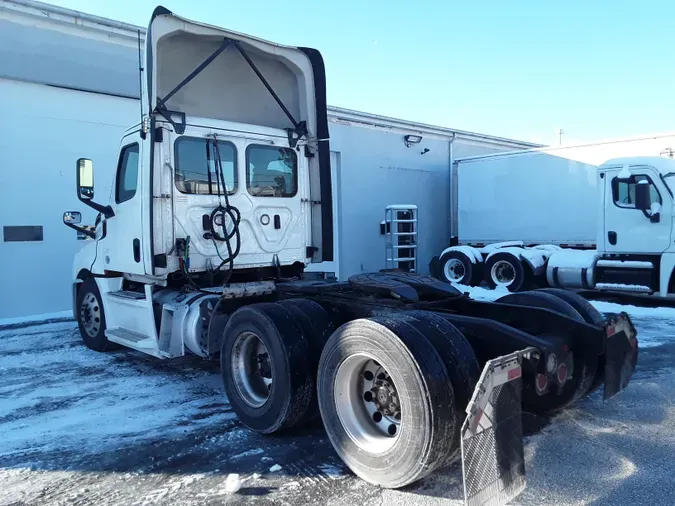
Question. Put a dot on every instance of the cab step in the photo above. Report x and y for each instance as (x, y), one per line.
(126, 294)
(134, 340)
(618, 287)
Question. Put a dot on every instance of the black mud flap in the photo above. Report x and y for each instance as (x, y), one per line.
(621, 354)
(493, 463)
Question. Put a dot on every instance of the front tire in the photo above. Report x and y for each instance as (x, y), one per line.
(387, 400)
(91, 316)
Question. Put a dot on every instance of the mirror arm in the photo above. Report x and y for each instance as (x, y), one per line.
(85, 231)
(106, 211)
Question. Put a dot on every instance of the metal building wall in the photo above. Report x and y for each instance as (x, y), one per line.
(62, 83)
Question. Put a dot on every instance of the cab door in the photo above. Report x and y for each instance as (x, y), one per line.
(631, 230)
(122, 248)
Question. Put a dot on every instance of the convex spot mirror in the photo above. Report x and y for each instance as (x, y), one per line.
(72, 218)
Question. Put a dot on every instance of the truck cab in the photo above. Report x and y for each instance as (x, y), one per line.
(635, 236)
(224, 184)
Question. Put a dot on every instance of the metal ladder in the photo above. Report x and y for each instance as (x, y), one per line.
(400, 237)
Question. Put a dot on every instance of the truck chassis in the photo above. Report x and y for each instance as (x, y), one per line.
(390, 361)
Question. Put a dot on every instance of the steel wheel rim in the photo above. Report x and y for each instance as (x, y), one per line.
(90, 314)
(503, 273)
(251, 369)
(454, 270)
(362, 389)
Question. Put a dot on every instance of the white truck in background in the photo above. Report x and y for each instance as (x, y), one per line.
(593, 217)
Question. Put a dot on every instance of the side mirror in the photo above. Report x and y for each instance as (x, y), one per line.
(642, 198)
(85, 179)
(72, 218)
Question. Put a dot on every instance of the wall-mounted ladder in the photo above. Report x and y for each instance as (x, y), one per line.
(400, 237)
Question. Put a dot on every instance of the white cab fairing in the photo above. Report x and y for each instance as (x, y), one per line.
(237, 86)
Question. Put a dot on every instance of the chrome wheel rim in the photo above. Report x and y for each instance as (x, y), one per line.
(503, 273)
(368, 404)
(454, 270)
(90, 314)
(251, 369)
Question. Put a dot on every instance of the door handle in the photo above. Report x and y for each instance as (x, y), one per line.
(137, 250)
(611, 237)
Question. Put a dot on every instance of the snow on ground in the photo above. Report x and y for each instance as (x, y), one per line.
(79, 427)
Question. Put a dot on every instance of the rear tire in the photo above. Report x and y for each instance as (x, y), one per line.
(585, 366)
(456, 267)
(423, 439)
(460, 362)
(506, 271)
(317, 326)
(91, 317)
(264, 362)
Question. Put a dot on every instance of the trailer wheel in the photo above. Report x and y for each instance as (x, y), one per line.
(317, 325)
(504, 270)
(387, 400)
(460, 361)
(264, 363)
(456, 267)
(590, 315)
(91, 317)
(584, 367)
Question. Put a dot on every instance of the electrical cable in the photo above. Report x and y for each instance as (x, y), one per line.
(221, 214)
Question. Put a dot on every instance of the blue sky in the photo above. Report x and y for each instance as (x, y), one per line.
(519, 69)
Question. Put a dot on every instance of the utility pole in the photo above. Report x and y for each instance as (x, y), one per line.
(560, 134)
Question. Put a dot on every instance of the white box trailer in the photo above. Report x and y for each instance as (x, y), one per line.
(539, 196)
(594, 216)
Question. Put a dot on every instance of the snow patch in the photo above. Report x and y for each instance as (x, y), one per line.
(291, 485)
(631, 264)
(472, 253)
(624, 173)
(232, 483)
(275, 468)
(501, 245)
(248, 453)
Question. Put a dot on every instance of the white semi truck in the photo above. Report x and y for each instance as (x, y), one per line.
(222, 197)
(563, 218)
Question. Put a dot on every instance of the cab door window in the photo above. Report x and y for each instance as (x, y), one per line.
(127, 174)
(623, 191)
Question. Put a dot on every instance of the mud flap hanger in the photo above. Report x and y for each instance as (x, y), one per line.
(294, 134)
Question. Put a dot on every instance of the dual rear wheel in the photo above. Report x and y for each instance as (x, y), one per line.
(391, 389)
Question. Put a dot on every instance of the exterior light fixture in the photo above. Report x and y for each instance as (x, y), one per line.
(412, 139)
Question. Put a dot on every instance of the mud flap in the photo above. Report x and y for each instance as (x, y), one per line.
(493, 464)
(621, 354)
